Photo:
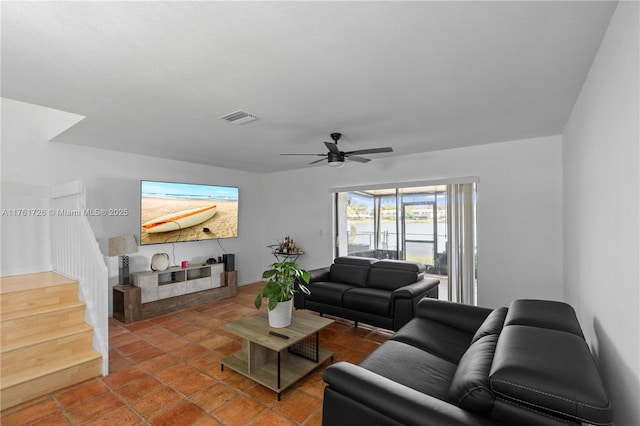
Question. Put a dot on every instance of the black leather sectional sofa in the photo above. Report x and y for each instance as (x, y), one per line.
(382, 293)
(457, 364)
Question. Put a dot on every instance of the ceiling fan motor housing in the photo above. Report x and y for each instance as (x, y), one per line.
(334, 157)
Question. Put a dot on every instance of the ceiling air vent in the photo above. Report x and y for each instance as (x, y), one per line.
(239, 117)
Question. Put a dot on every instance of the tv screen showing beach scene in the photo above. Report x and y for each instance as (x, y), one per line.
(173, 212)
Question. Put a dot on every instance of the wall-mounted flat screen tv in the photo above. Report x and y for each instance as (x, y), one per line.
(173, 212)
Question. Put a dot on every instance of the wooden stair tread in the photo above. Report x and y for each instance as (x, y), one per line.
(52, 335)
(16, 283)
(43, 352)
(28, 374)
(39, 310)
(43, 385)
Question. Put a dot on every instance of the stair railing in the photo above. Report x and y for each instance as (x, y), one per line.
(77, 255)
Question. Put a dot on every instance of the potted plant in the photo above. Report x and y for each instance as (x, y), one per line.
(283, 280)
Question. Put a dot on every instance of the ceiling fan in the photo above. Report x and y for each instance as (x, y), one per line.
(336, 158)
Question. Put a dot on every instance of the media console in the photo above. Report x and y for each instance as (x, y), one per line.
(155, 293)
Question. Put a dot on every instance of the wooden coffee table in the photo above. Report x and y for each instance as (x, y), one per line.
(273, 361)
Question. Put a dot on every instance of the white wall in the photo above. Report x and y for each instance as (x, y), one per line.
(601, 159)
(20, 255)
(31, 164)
(519, 210)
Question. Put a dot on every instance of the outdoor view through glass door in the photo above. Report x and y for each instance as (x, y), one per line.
(423, 233)
(397, 223)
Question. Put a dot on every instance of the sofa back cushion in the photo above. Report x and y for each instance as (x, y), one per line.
(355, 260)
(349, 274)
(544, 314)
(470, 388)
(393, 274)
(492, 324)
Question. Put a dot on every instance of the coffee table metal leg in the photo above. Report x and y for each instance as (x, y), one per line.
(278, 376)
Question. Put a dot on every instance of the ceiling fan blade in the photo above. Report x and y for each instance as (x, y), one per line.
(371, 151)
(332, 147)
(356, 158)
(321, 155)
(317, 161)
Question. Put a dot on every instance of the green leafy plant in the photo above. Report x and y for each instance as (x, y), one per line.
(284, 279)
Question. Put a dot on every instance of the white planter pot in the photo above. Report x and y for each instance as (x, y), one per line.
(280, 317)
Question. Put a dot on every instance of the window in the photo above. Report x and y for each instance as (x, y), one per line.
(413, 223)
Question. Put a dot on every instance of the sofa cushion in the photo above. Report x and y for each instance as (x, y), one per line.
(438, 339)
(400, 265)
(412, 367)
(470, 387)
(549, 370)
(355, 260)
(349, 274)
(372, 300)
(545, 314)
(492, 325)
(393, 274)
(328, 292)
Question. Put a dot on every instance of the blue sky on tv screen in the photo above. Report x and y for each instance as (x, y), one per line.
(188, 191)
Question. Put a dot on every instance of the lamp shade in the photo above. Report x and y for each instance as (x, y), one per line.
(122, 245)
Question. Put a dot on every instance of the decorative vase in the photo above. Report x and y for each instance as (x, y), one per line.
(280, 316)
(160, 262)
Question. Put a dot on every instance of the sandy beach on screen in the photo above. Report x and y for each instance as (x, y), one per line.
(223, 225)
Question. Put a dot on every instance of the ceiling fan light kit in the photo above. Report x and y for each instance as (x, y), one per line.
(336, 158)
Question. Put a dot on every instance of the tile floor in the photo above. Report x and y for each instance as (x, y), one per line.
(166, 371)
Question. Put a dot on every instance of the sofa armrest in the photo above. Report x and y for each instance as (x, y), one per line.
(417, 289)
(315, 275)
(467, 318)
(404, 300)
(365, 390)
(319, 274)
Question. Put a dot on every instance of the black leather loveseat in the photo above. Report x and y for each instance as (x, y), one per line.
(383, 293)
(462, 365)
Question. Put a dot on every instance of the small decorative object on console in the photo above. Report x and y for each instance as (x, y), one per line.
(160, 262)
(288, 246)
(286, 250)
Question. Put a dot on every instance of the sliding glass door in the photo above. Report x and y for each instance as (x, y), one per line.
(410, 223)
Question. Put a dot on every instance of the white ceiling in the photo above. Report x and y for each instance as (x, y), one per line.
(152, 77)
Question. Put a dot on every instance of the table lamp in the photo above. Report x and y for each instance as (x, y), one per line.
(121, 246)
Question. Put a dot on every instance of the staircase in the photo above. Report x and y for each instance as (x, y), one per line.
(45, 344)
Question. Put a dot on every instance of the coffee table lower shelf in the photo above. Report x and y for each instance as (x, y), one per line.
(277, 370)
